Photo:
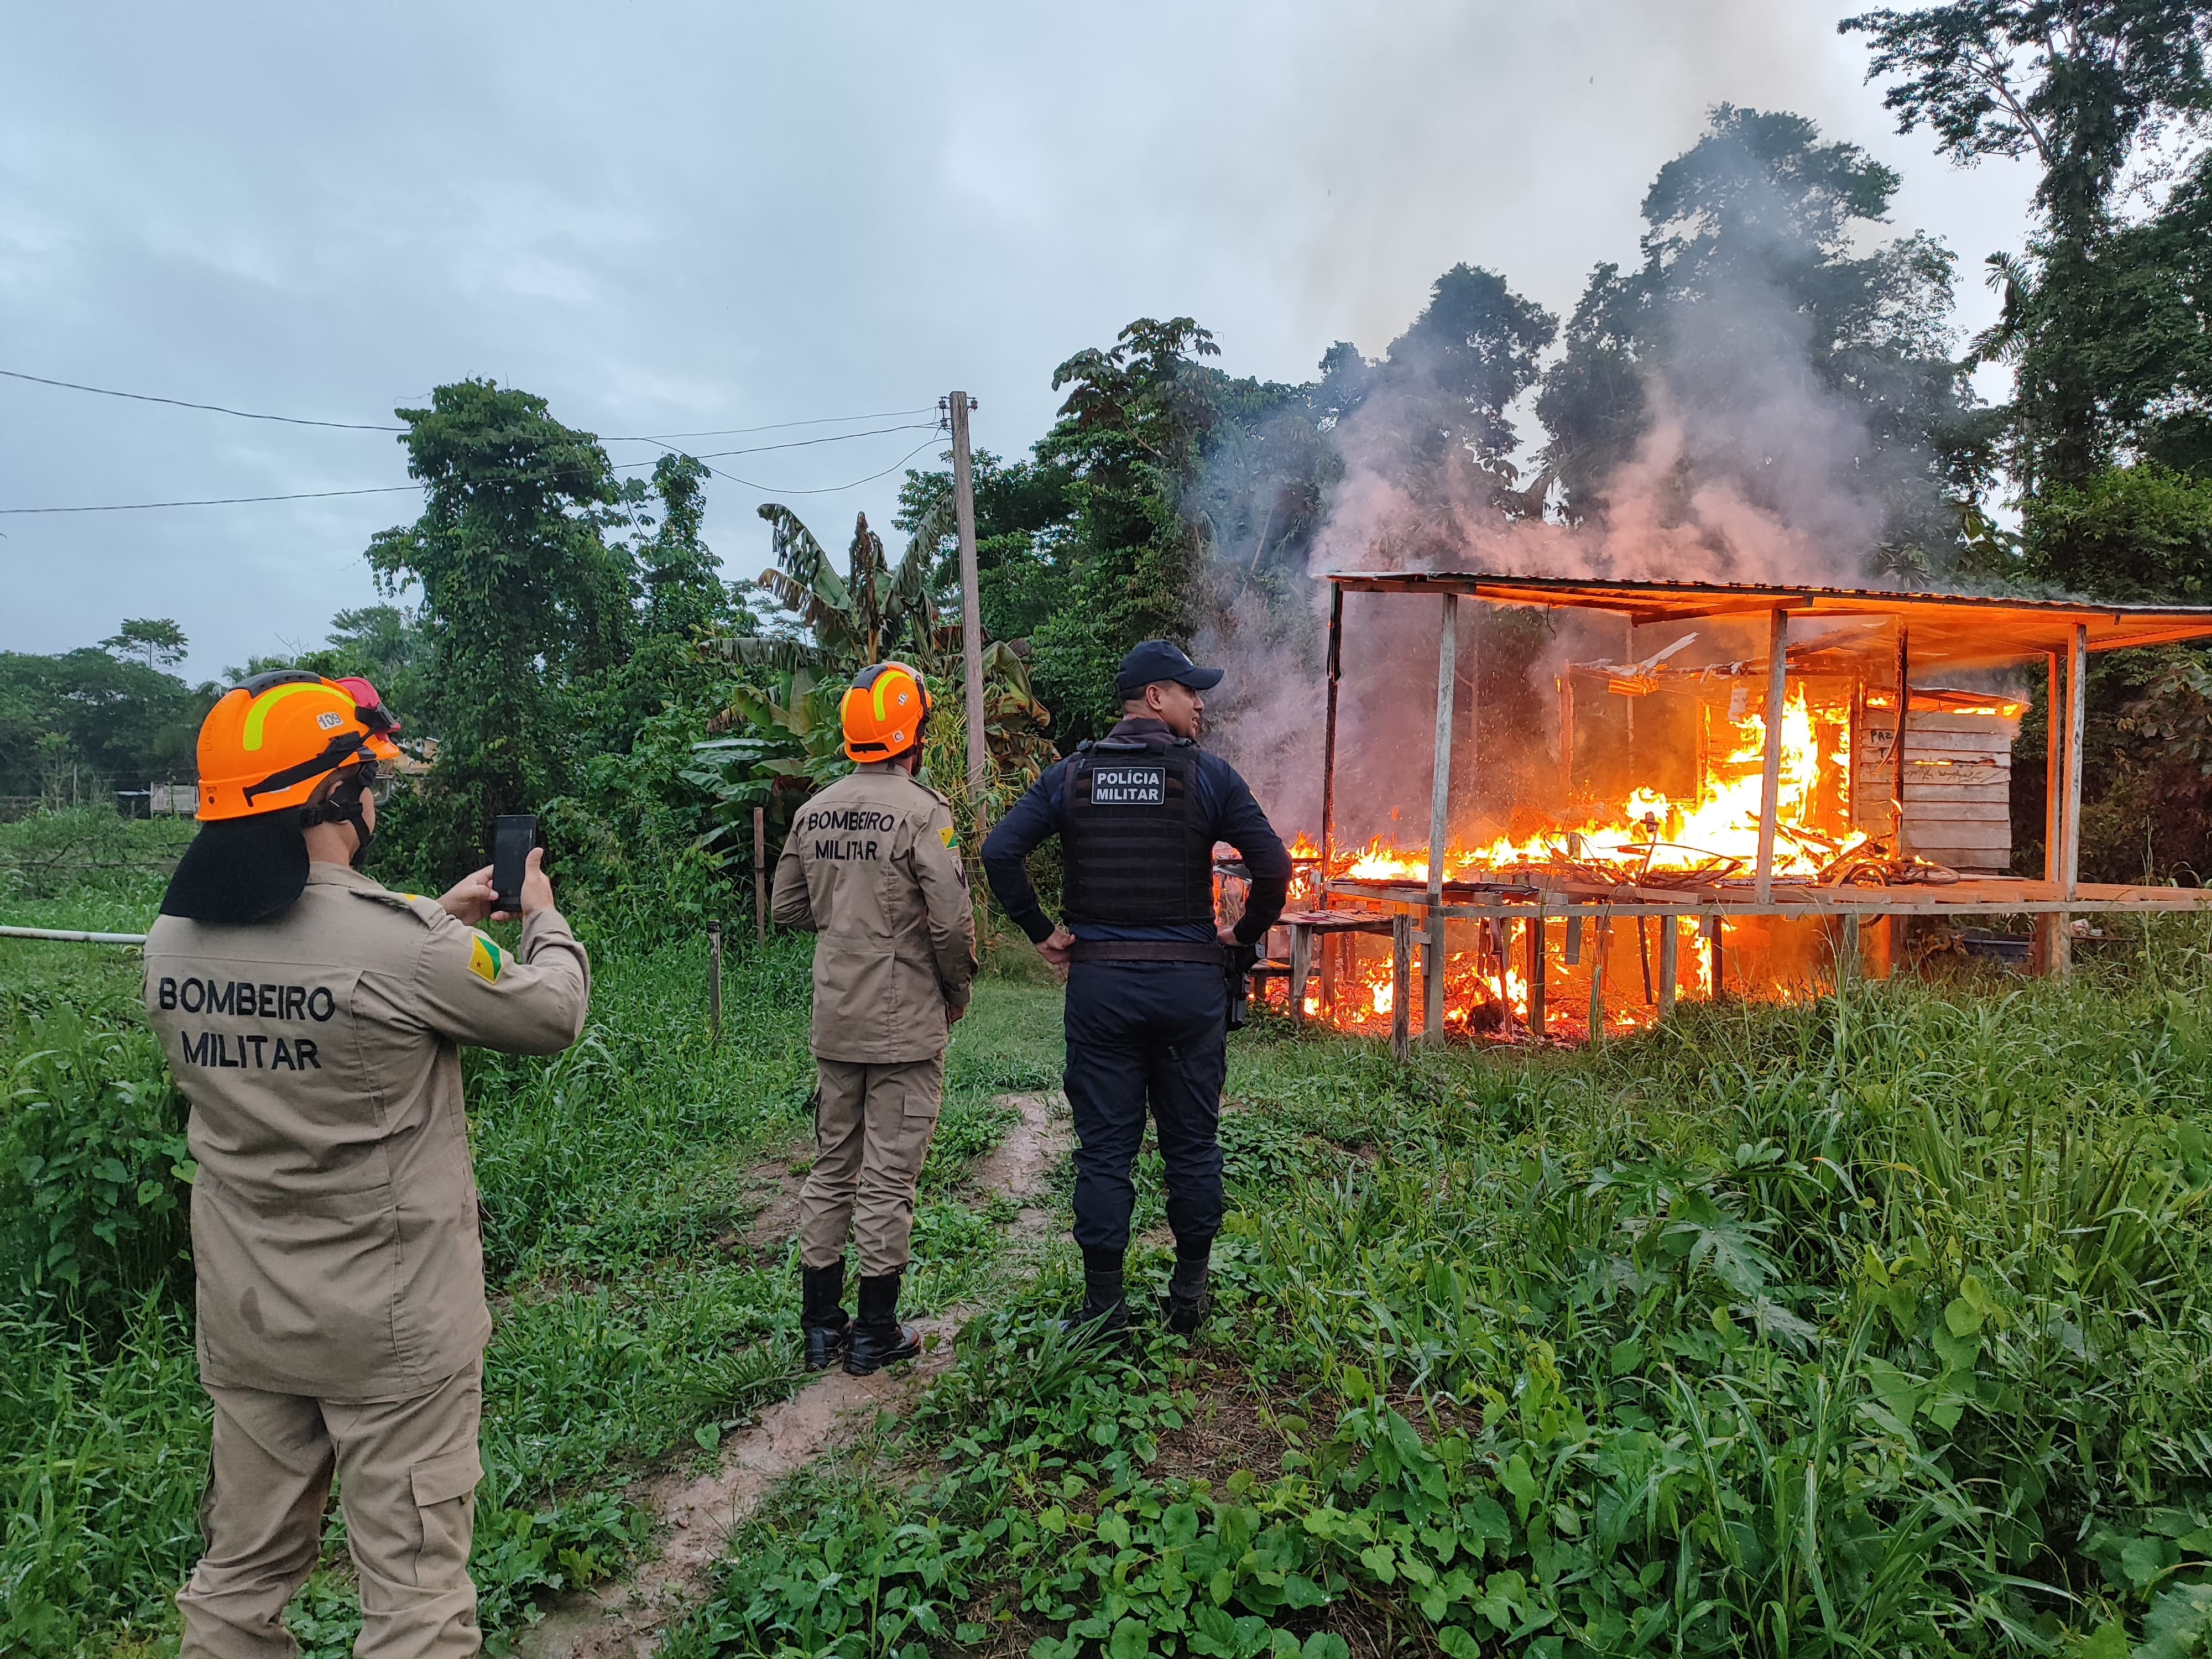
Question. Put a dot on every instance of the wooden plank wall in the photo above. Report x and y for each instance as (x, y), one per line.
(1958, 786)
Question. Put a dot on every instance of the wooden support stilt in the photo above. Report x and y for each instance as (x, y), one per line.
(1329, 740)
(1402, 985)
(1302, 941)
(1770, 786)
(1715, 955)
(2048, 932)
(1600, 935)
(1644, 959)
(1333, 945)
(1432, 973)
(1670, 937)
(1573, 954)
(2070, 852)
(1533, 929)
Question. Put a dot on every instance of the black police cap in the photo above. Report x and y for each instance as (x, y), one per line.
(1155, 660)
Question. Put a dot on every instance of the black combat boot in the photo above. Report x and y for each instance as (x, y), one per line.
(1186, 1301)
(879, 1340)
(822, 1317)
(1105, 1311)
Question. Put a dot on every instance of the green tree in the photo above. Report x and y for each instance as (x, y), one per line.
(159, 637)
(1023, 558)
(1790, 350)
(523, 598)
(2082, 86)
(90, 719)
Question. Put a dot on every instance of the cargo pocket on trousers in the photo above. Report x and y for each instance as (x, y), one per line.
(445, 1502)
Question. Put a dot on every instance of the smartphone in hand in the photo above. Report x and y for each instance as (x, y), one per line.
(514, 834)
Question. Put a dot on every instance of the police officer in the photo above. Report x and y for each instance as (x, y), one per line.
(1138, 813)
(873, 866)
(314, 1020)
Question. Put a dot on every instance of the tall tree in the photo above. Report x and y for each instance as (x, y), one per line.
(2082, 86)
(523, 596)
(159, 637)
(1787, 349)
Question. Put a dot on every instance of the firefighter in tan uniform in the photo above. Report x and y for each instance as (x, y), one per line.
(871, 865)
(314, 1021)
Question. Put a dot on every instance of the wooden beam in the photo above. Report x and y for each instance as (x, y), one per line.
(1670, 939)
(1302, 935)
(1401, 986)
(1903, 693)
(1329, 740)
(2069, 851)
(1770, 784)
(1566, 684)
(1601, 934)
(1433, 975)
(1532, 932)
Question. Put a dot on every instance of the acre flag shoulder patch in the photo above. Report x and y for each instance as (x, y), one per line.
(486, 959)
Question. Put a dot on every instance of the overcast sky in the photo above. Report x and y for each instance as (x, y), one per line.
(668, 218)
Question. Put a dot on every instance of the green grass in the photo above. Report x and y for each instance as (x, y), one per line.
(1877, 1325)
(1880, 1325)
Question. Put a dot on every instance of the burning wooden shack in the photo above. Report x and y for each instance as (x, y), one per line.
(1752, 783)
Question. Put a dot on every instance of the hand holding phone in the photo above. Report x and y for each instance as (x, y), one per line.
(514, 835)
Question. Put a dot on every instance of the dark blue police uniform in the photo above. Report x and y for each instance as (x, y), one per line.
(1138, 814)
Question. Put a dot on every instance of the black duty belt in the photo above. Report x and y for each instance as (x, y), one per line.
(1147, 949)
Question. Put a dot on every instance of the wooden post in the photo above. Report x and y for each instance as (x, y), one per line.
(1433, 976)
(1566, 735)
(2048, 931)
(1534, 928)
(1710, 926)
(1302, 936)
(1501, 952)
(760, 875)
(1328, 737)
(2069, 852)
(1402, 985)
(714, 978)
(1904, 695)
(971, 613)
(1601, 935)
(1670, 937)
(1770, 788)
(1333, 945)
(1573, 954)
(1643, 959)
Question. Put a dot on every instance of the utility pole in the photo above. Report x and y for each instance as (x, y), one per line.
(971, 615)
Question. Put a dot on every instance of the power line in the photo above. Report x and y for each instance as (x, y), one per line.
(390, 490)
(216, 501)
(180, 402)
(359, 426)
(773, 426)
(826, 489)
(802, 443)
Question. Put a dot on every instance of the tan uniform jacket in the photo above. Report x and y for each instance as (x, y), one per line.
(334, 1217)
(871, 864)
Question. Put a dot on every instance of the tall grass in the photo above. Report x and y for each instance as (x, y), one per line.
(1873, 1326)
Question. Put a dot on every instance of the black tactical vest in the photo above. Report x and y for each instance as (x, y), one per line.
(1135, 850)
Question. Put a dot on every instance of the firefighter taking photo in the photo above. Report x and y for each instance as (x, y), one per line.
(1138, 813)
(314, 1019)
(872, 866)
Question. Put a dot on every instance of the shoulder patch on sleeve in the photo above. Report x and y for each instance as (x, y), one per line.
(950, 838)
(486, 960)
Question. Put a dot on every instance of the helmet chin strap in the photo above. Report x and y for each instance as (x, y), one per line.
(344, 806)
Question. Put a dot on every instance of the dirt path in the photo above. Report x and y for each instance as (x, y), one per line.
(697, 1513)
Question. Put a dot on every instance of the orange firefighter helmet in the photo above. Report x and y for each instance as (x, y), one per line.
(883, 712)
(268, 743)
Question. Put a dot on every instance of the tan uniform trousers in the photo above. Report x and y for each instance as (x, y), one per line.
(407, 1473)
(871, 1129)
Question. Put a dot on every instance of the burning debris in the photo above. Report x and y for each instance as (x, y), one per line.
(1771, 799)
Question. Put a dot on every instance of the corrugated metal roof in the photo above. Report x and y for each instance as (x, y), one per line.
(1954, 628)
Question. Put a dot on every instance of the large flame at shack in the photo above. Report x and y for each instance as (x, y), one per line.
(1750, 823)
